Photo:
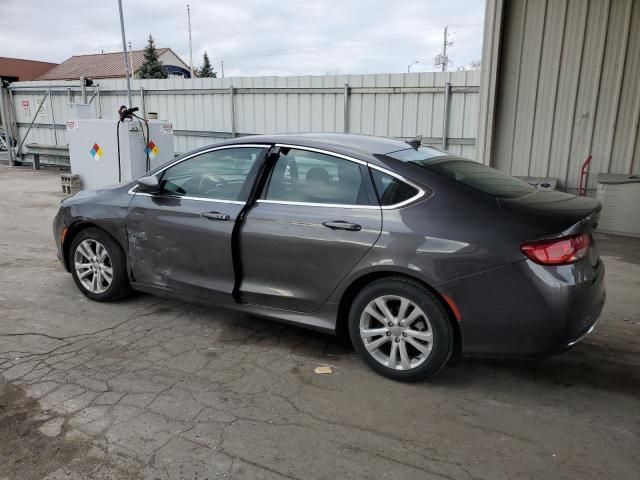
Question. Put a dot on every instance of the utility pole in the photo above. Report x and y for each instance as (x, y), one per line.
(222, 68)
(190, 45)
(124, 52)
(131, 58)
(445, 44)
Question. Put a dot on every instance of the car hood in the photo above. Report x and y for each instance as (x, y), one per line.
(88, 195)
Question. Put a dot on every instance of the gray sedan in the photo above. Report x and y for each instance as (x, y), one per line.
(417, 254)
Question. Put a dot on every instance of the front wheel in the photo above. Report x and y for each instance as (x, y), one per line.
(98, 266)
(400, 329)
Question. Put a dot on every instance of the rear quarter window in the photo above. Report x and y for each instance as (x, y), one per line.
(391, 190)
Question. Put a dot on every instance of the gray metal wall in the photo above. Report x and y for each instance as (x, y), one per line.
(202, 111)
(568, 85)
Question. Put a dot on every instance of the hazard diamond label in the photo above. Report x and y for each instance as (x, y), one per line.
(151, 150)
(96, 152)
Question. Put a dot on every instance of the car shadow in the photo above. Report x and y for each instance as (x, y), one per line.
(600, 362)
(595, 365)
(584, 366)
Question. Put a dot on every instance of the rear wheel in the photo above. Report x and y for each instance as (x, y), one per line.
(400, 329)
(98, 266)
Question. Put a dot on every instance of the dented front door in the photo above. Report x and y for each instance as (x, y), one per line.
(182, 237)
(182, 244)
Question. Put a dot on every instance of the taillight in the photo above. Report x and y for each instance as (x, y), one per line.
(560, 251)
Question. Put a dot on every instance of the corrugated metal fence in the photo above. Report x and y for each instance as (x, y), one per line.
(442, 107)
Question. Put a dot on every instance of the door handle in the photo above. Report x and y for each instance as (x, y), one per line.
(342, 225)
(216, 216)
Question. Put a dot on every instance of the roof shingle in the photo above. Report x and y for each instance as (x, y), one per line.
(99, 65)
(23, 69)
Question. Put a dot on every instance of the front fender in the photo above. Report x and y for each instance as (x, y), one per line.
(104, 209)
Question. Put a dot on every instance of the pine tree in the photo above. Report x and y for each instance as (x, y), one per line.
(151, 67)
(206, 70)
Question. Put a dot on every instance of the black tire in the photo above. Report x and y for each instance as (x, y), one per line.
(119, 286)
(440, 327)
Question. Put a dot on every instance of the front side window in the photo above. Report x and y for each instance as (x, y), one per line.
(217, 175)
(310, 177)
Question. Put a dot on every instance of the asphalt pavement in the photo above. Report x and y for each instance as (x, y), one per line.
(155, 389)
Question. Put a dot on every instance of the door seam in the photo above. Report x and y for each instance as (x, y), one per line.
(236, 256)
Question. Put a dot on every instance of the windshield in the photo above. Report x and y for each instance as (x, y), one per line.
(473, 174)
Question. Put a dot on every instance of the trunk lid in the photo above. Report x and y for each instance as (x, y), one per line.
(554, 211)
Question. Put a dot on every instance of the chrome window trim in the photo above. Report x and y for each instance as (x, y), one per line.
(180, 197)
(328, 205)
(133, 191)
(417, 196)
(421, 192)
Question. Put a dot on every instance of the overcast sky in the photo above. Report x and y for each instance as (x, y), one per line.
(254, 37)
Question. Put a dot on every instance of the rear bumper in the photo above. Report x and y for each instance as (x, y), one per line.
(581, 337)
(526, 309)
(579, 303)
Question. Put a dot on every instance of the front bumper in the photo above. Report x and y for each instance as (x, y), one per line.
(58, 228)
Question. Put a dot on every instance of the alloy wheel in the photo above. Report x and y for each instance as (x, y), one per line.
(93, 266)
(396, 332)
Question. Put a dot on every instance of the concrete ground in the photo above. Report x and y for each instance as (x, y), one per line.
(150, 388)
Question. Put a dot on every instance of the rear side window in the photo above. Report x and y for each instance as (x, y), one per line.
(391, 190)
(478, 176)
(311, 177)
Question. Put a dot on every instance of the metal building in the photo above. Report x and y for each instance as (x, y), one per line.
(561, 81)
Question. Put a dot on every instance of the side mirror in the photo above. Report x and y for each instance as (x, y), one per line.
(148, 184)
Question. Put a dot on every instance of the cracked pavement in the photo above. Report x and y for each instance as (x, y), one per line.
(156, 389)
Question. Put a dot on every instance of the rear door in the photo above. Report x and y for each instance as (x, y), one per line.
(316, 218)
(181, 238)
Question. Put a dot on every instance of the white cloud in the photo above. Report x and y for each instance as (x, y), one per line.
(254, 37)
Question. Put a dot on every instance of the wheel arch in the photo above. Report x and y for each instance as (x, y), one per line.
(73, 231)
(362, 281)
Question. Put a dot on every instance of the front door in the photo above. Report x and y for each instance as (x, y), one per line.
(181, 239)
(315, 220)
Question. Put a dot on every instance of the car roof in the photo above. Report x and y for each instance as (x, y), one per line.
(363, 147)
